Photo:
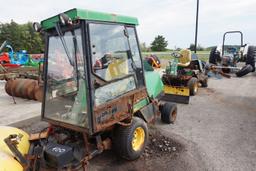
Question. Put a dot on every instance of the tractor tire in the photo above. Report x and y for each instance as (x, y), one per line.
(204, 83)
(245, 70)
(213, 57)
(251, 56)
(168, 113)
(193, 86)
(130, 141)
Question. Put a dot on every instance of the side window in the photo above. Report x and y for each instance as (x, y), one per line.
(134, 47)
(135, 53)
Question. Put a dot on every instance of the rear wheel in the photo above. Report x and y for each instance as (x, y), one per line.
(130, 141)
(250, 58)
(168, 113)
(193, 86)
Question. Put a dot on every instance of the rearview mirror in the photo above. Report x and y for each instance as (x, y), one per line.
(65, 19)
(37, 27)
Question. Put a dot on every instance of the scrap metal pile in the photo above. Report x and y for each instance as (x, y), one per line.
(7, 73)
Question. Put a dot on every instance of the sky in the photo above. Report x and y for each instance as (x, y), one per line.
(174, 19)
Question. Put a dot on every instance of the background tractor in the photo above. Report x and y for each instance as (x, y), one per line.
(96, 95)
(183, 76)
(153, 61)
(227, 56)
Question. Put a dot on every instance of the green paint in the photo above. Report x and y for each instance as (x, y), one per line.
(140, 104)
(90, 15)
(173, 67)
(154, 83)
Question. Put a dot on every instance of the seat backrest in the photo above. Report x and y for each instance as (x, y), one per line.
(116, 69)
(185, 56)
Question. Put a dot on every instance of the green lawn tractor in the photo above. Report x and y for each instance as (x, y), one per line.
(96, 95)
(183, 76)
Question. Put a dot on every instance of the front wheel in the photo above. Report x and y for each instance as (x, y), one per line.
(130, 141)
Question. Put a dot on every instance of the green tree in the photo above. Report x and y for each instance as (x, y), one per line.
(199, 47)
(159, 44)
(21, 37)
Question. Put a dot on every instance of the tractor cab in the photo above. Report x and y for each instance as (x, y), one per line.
(96, 94)
(89, 64)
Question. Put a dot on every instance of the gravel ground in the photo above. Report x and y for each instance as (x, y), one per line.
(216, 131)
(221, 122)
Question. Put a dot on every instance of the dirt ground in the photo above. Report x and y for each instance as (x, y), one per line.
(216, 131)
(221, 122)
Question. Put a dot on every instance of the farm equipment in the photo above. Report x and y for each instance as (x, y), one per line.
(22, 82)
(183, 76)
(11, 72)
(16, 59)
(89, 107)
(227, 56)
(17, 65)
(153, 61)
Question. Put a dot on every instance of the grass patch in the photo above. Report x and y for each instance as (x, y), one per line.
(202, 55)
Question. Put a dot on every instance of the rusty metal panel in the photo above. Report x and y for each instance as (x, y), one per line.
(116, 110)
(149, 112)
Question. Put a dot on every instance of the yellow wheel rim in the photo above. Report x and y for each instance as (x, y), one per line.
(138, 138)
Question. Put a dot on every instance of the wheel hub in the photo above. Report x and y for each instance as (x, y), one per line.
(138, 138)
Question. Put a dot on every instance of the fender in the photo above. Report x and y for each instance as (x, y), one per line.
(7, 158)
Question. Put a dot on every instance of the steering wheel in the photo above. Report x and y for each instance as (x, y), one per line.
(176, 54)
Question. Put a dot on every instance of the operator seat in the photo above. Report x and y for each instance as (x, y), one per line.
(185, 58)
(116, 69)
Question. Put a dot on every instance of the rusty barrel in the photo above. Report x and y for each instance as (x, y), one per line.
(19, 87)
(38, 93)
(24, 88)
(8, 87)
(30, 90)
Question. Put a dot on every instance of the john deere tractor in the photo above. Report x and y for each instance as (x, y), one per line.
(183, 76)
(96, 95)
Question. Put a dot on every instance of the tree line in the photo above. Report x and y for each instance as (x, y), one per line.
(21, 37)
(160, 44)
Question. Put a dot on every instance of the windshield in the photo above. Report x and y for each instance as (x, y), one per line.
(65, 89)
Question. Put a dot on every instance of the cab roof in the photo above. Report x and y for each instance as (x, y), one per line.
(83, 14)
